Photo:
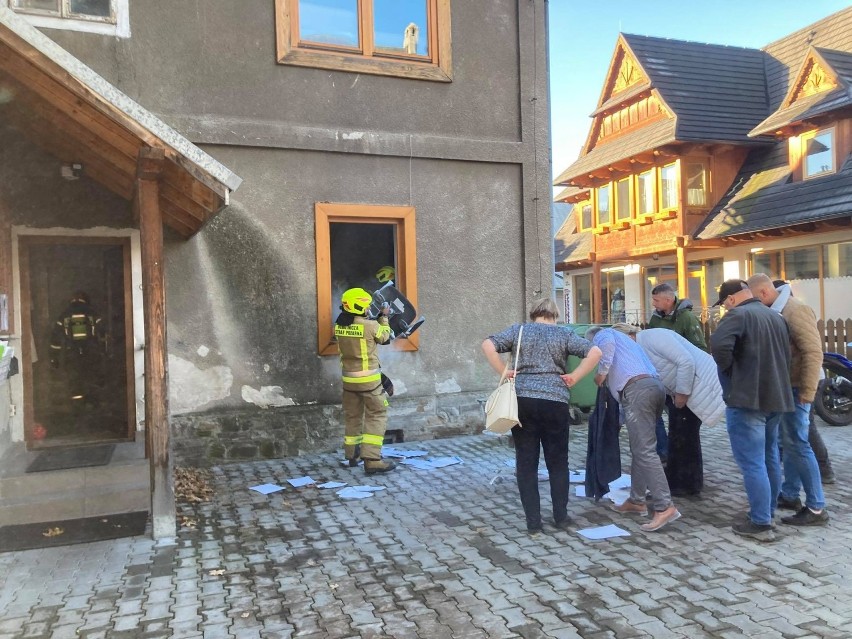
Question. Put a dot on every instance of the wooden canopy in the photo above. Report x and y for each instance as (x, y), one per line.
(76, 115)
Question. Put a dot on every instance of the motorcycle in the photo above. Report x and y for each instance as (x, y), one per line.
(833, 401)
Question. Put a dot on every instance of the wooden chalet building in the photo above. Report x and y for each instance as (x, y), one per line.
(705, 162)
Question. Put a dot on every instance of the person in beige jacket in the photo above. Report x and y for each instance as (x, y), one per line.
(801, 469)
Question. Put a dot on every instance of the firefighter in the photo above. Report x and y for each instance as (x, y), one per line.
(365, 404)
(385, 274)
(77, 345)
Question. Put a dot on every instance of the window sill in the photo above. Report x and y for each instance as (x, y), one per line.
(666, 215)
(602, 229)
(645, 219)
(621, 225)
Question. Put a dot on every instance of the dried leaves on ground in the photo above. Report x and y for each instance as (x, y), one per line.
(193, 485)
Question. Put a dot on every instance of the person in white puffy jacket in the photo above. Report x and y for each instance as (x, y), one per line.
(689, 376)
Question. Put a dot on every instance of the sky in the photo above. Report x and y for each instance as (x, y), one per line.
(583, 35)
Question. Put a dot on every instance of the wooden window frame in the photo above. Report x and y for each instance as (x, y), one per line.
(580, 207)
(647, 218)
(705, 170)
(604, 227)
(617, 222)
(366, 60)
(403, 217)
(803, 142)
(670, 212)
(118, 24)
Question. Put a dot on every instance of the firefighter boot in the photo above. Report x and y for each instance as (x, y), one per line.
(373, 466)
(356, 458)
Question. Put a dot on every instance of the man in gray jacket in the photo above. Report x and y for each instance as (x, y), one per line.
(751, 347)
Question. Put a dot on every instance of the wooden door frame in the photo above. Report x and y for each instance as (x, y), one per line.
(24, 241)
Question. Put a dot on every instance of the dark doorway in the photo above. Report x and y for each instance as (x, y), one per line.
(77, 356)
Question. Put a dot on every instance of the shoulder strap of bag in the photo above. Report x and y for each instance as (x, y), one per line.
(517, 352)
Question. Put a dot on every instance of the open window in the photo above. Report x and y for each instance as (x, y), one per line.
(107, 17)
(354, 243)
(405, 38)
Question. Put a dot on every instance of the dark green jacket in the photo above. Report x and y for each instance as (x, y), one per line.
(682, 321)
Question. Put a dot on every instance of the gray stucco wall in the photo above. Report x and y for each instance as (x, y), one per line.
(472, 156)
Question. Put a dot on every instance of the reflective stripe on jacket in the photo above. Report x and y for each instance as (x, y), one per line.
(357, 345)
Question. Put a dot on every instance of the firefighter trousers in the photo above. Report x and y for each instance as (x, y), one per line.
(365, 415)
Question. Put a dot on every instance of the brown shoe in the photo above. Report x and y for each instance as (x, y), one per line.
(661, 518)
(629, 507)
(373, 466)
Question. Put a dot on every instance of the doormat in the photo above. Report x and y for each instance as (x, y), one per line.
(72, 531)
(79, 457)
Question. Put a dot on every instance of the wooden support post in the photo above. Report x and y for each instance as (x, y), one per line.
(148, 171)
(682, 272)
(597, 292)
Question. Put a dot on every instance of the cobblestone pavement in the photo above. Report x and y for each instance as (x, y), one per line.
(442, 553)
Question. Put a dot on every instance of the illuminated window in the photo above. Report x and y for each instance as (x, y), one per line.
(668, 186)
(696, 184)
(406, 38)
(646, 197)
(604, 206)
(818, 153)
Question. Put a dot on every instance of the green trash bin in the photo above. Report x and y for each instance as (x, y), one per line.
(585, 393)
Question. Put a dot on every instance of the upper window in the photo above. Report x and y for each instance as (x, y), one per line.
(604, 197)
(696, 184)
(108, 17)
(668, 186)
(818, 153)
(362, 246)
(646, 197)
(623, 204)
(586, 216)
(406, 38)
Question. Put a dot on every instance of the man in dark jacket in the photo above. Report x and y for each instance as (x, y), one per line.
(751, 347)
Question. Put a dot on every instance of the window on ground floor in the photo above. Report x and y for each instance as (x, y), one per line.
(359, 245)
(837, 260)
(407, 38)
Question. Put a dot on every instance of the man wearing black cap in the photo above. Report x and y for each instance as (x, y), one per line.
(751, 347)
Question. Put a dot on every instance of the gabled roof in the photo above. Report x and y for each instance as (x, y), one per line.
(571, 246)
(75, 114)
(833, 69)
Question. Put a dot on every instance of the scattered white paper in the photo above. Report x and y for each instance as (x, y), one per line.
(441, 462)
(543, 475)
(603, 532)
(390, 451)
(618, 496)
(298, 482)
(332, 484)
(419, 464)
(580, 491)
(621, 482)
(352, 493)
(510, 463)
(265, 489)
(345, 463)
(577, 477)
(368, 489)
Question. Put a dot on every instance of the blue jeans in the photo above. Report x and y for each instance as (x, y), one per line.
(754, 443)
(801, 469)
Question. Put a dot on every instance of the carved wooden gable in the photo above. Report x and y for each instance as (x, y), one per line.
(814, 78)
(627, 74)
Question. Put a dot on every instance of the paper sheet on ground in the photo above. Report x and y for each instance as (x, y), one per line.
(431, 464)
(265, 489)
(580, 491)
(359, 492)
(368, 489)
(603, 532)
(577, 476)
(621, 482)
(298, 482)
(543, 475)
(391, 451)
(618, 496)
(332, 484)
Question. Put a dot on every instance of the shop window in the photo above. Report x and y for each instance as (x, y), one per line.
(801, 264)
(768, 262)
(818, 153)
(696, 184)
(623, 203)
(604, 208)
(405, 38)
(612, 296)
(582, 299)
(646, 198)
(668, 187)
(108, 17)
(353, 242)
(837, 260)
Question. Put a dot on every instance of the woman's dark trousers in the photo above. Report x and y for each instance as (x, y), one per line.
(685, 468)
(545, 425)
